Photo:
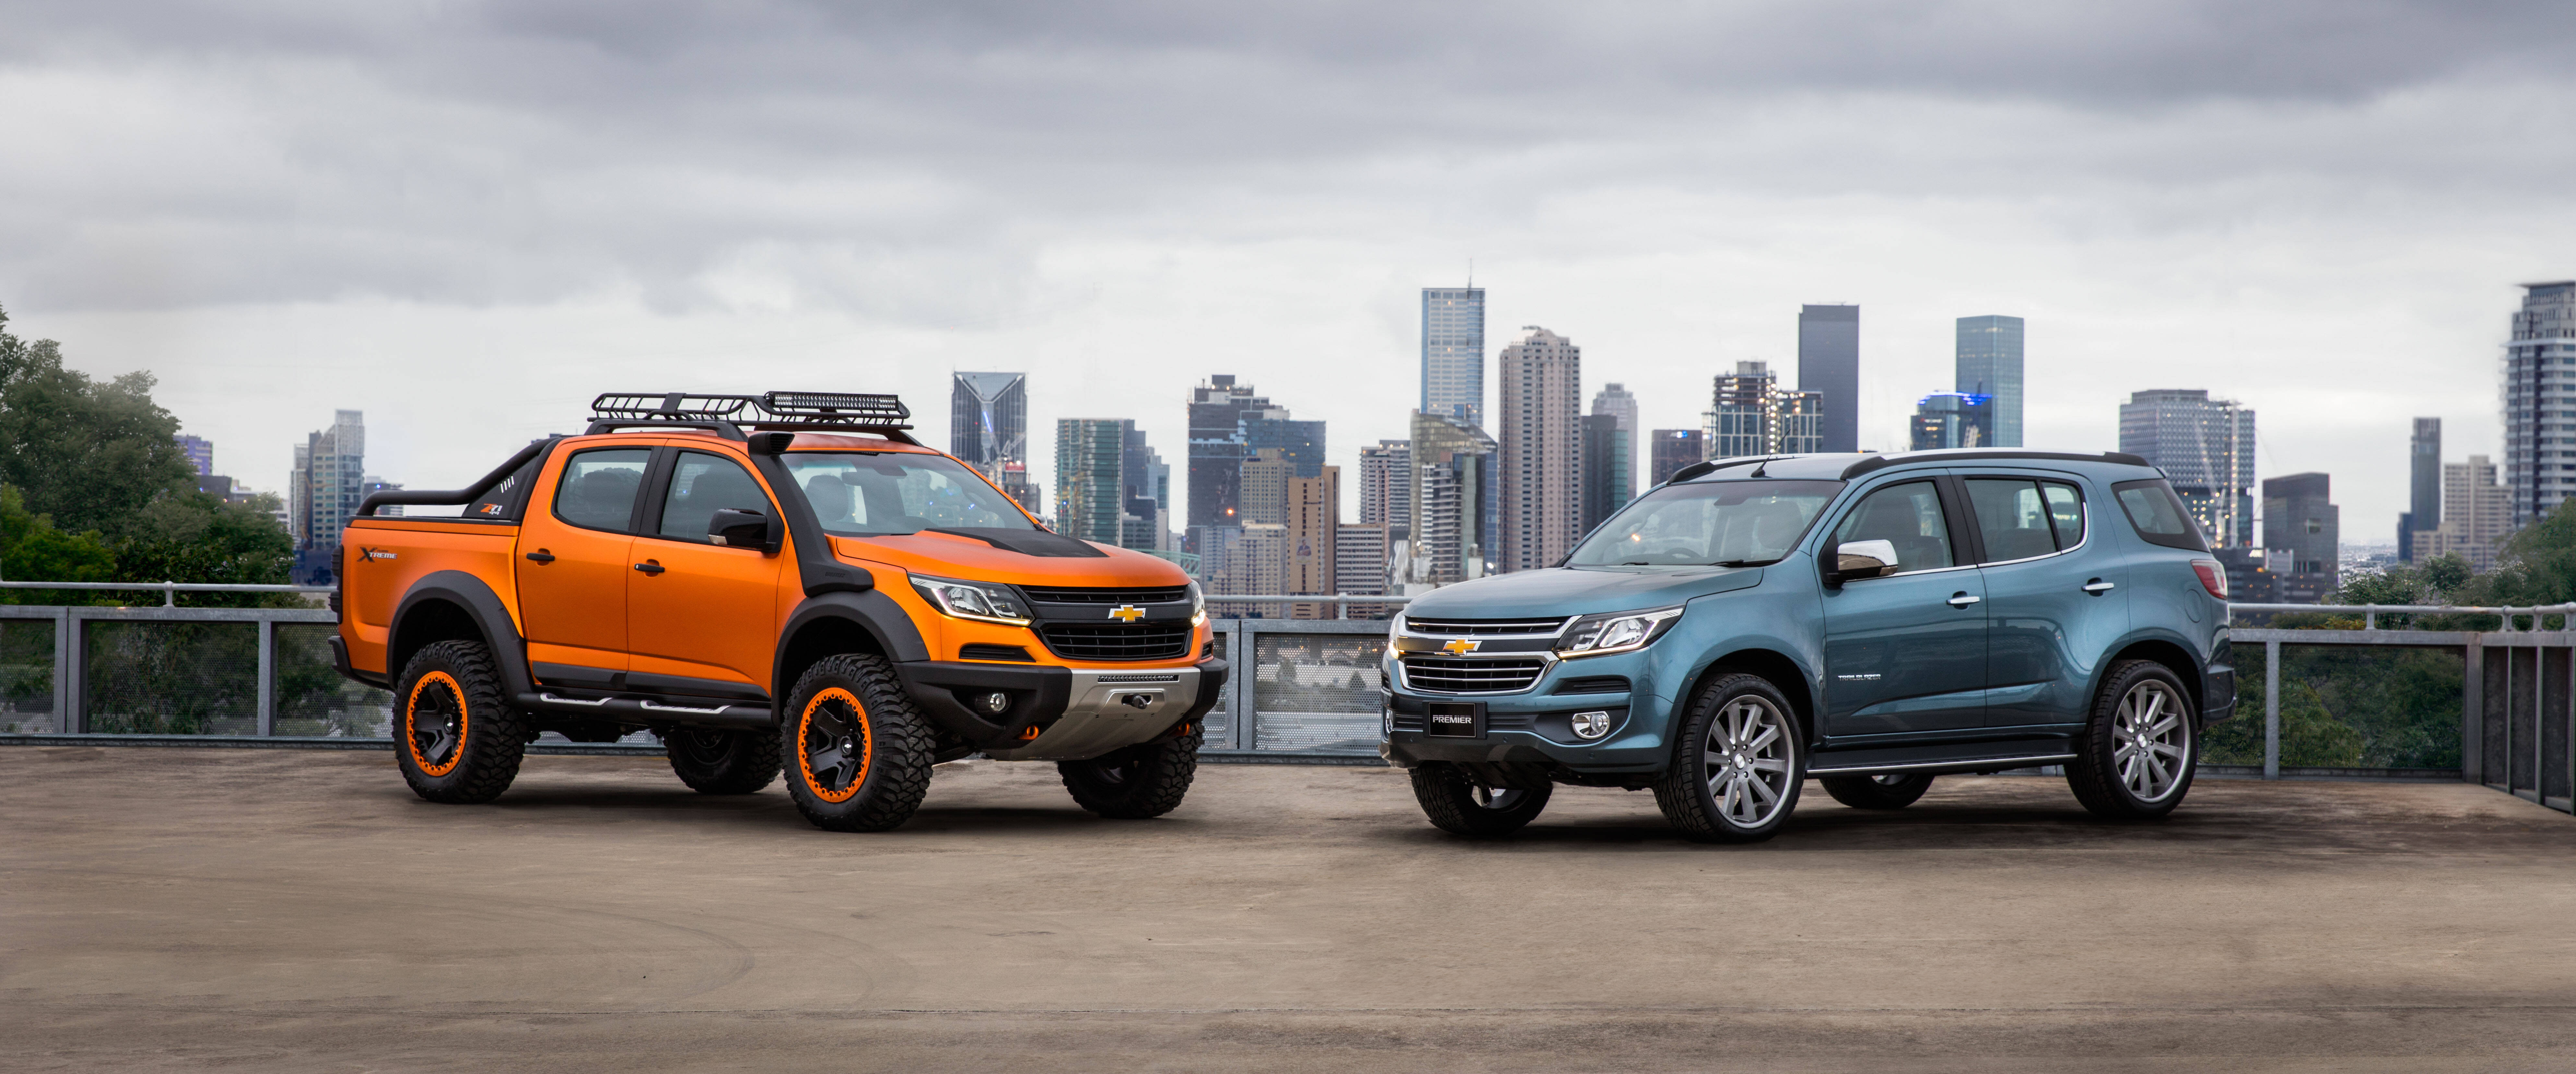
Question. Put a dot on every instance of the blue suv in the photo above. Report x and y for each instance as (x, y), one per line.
(1869, 621)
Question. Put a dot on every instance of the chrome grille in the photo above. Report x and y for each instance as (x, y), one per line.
(1154, 595)
(1445, 675)
(1476, 627)
(1117, 641)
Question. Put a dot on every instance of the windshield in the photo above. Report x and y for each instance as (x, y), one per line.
(1736, 523)
(866, 494)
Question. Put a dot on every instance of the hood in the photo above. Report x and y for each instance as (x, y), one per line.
(1579, 591)
(949, 555)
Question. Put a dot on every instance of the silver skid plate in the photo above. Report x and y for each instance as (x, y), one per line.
(1110, 709)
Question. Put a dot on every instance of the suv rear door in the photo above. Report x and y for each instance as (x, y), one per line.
(2054, 605)
(1906, 652)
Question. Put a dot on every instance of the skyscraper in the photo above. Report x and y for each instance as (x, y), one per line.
(1674, 449)
(2205, 447)
(2539, 367)
(2477, 515)
(1313, 537)
(1540, 430)
(1605, 468)
(2302, 533)
(2425, 473)
(1386, 484)
(1146, 481)
(1453, 353)
(1952, 420)
(323, 493)
(1217, 449)
(1616, 401)
(1990, 365)
(1750, 414)
(1829, 364)
(1090, 454)
(1454, 490)
(988, 429)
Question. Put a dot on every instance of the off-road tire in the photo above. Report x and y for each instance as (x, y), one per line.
(1683, 792)
(1887, 791)
(1137, 782)
(471, 758)
(718, 761)
(1448, 797)
(2096, 774)
(890, 770)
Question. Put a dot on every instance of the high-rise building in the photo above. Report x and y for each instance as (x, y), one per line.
(1453, 353)
(323, 493)
(1386, 484)
(372, 485)
(1672, 450)
(1539, 404)
(988, 419)
(1605, 468)
(1990, 365)
(2205, 447)
(1360, 565)
(1146, 481)
(200, 452)
(2477, 515)
(1829, 364)
(1454, 493)
(1750, 414)
(1314, 535)
(2424, 472)
(2540, 401)
(1217, 450)
(1265, 487)
(2302, 534)
(1089, 456)
(1615, 400)
(1952, 420)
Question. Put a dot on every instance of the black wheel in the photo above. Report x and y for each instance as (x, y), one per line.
(2135, 758)
(1894, 790)
(457, 739)
(857, 752)
(1738, 765)
(713, 761)
(1140, 781)
(1457, 804)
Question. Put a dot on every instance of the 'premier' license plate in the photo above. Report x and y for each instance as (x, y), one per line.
(1451, 719)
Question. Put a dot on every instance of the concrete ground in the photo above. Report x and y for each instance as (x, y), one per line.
(290, 910)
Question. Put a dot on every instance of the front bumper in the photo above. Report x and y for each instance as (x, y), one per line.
(1530, 728)
(1080, 712)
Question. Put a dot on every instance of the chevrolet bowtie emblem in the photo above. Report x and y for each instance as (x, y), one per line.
(1461, 646)
(1126, 613)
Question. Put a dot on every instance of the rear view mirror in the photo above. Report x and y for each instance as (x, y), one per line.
(736, 528)
(1865, 559)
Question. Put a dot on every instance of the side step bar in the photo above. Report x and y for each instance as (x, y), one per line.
(648, 710)
(1977, 764)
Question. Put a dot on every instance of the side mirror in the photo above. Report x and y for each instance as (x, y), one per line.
(736, 528)
(1865, 559)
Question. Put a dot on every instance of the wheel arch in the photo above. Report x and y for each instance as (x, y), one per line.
(456, 606)
(1776, 667)
(2174, 657)
(841, 622)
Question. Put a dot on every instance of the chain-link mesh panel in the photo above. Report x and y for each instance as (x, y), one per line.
(27, 676)
(1316, 693)
(313, 699)
(2347, 706)
(148, 678)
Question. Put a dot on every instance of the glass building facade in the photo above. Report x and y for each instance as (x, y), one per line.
(1990, 365)
(2540, 401)
(1829, 365)
(1453, 353)
(2205, 447)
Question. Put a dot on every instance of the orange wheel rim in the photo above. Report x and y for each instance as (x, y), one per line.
(834, 748)
(437, 744)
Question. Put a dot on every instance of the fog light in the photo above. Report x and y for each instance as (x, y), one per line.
(1591, 725)
(996, 701)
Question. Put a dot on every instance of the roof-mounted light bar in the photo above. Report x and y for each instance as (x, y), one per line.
(851, 407)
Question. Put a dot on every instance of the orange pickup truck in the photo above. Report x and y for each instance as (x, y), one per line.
(789, 580)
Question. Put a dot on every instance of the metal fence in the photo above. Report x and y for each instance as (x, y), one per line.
(2493, 706)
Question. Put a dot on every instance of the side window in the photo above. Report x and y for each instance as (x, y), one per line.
(2066, 512)
(598, 488)
(2157, 514)
(1907, 516)
(701, 485)
(2011, 517)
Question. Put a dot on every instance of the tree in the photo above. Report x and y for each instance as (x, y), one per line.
(88, 454)
(33, 550)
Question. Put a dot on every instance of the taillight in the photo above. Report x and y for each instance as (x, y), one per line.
(2212, 577)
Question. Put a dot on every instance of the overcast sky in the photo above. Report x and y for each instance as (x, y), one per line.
(466, 219)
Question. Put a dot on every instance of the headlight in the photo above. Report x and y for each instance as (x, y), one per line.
(982, 601)
(1616, 632)
(1198, 605)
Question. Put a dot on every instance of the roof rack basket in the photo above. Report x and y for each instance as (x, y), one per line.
(727, 415)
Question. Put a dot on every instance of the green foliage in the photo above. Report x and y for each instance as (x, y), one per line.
(91, 455)
(33, 550)
(2348, 706)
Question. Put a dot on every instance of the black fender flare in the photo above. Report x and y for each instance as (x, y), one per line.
(500, 632)
(873, 611)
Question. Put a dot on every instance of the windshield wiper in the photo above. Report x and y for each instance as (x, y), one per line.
(1746, 562)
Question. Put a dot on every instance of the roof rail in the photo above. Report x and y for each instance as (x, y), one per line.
(1878, 462)
(727, 415)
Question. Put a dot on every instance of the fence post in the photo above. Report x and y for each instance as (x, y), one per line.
(63, 721)
(72, 672)
(1247, 642)
(267, 677)
(2473, 710)
(2271, 710)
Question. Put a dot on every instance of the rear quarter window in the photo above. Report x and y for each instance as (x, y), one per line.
(2157, 514)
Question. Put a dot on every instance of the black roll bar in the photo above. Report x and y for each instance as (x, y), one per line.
(456, 497)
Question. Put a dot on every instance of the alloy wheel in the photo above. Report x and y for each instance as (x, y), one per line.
(834, 746)
(1746, 761)
(2151, 743)
(437, 723)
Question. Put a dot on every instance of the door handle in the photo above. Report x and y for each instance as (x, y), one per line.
(2097, 587)
(542, 556)
(1961, 599)
(650, 567)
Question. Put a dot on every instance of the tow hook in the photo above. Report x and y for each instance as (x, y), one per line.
(1139, 702)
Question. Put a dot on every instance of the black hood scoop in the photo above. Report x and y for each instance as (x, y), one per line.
(1026, 542)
